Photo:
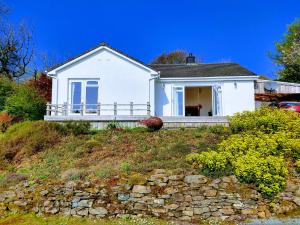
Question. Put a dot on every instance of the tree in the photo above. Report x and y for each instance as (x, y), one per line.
(288, 54)
(43, 84)
(26, 103)
(173, 57)
(16, 49)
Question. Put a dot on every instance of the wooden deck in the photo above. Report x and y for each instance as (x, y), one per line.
(100, 122)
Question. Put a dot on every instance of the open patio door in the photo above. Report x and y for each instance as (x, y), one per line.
(178, 101)
(217, 100)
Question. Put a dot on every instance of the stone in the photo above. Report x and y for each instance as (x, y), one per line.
(84, 204)
(210, 193)
(171, 190)
(202, 210)
(171, 206)
(123, 197)
(83, 212)
(185, 218)
(48, 203)
(141, 189)
(159, 201)
(226, 179)
(188, 213)
(198, 198)
(297, 193)
(44, 192)
(99, 211)
(139, 206)
(297, 200)
(238, 205)
(227, 211)
(248, 211)
(261, 215)
(176, 177)
(7, 195)
(20, 203)
(158, 178)
(291, 187)
(195, 179)
(159, 171)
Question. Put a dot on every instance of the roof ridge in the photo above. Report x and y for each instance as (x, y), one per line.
(192, 64)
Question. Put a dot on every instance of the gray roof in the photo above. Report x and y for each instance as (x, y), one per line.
(201, 70)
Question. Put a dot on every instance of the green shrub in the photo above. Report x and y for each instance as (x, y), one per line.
(76, 128)
(6, 89)
(125, 167)
(73, 174)
(25, 103)
(27, 138)
(113, 125)
(264, 119)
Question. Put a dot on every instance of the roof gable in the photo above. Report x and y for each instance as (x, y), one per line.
(89, 52)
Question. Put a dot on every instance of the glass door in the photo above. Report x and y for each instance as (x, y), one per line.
(76, 94)
(178, 101)
(217, 106)
(91, 99)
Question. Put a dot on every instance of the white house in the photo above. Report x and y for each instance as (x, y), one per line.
(106, 83)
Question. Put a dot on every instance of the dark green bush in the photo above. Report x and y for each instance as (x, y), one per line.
(25, 103)
(6, 89)
(76, 128)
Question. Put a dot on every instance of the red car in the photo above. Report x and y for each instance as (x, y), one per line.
(294, 106)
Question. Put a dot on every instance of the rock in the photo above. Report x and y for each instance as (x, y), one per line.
(291, 187)
(44, 192)
(297, 193)
(198, 198)
(200, 211)
(195, 179)
(139, 206)
(176, 177)
(99, 211)
(188, 213)
(7, 195)
(226, 179)
(210, 193)
(158, 178)
(83, 212)
(297, 200)
(248, 211)
(239, 205)
(227, 211)
(48, 203)
(261, 215)
(84, 204)
(185, 218)
(159, 201)
(171, 206)
(123, 197)
(20, 203)
(171, 190)
(141, 189)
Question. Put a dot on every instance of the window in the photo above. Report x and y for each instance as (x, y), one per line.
(91, 100)
(86, 92)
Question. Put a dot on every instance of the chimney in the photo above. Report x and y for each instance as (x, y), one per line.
(190, 59)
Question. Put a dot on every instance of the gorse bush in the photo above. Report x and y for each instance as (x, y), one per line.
(27, 138)
(297, 164)
(257, 151)
(264, 119)
(76, 128)
(5, 121)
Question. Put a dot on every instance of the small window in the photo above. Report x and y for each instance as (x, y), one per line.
(92, 82)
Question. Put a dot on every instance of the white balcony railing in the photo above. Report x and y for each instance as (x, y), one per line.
(270, 87)
(99, 109)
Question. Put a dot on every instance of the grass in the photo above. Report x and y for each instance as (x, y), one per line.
(101, 154)
(32, 219)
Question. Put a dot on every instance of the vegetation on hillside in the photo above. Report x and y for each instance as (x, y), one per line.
(262, 144)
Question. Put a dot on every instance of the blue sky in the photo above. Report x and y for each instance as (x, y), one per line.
(216, 31)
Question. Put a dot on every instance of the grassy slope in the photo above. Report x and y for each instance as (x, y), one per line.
(104, 153)
(31, 219)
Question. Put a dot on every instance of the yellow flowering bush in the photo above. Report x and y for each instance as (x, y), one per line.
(256, 151)
(265, 119)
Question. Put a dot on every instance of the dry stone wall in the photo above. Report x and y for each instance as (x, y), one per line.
(176, 197)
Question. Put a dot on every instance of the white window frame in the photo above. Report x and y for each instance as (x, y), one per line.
(83, 93)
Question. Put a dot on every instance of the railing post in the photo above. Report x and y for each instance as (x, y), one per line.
(64, 109)
(48, 109)
(56, 109)
(98, 109)
(115, 108)
(131, 108)
(148, 108)
(81, 108)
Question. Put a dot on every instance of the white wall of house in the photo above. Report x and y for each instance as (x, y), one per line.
(236, 95)
(120, 80)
